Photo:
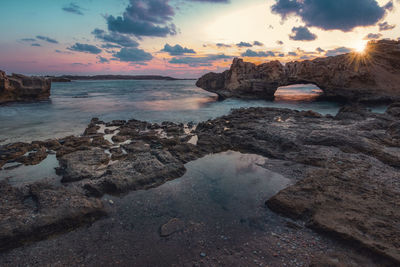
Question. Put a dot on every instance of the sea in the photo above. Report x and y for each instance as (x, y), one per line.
(72, 106)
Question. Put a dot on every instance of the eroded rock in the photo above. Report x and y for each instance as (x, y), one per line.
(357, 77)
(83, 164)
(40, 210)
(18, 87)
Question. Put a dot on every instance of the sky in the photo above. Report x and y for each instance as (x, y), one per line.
(183, 38)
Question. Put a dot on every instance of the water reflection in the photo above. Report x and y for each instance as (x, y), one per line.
(192, 103)
(220, 189)
(73, 104)
(298, 92)
(21, 174)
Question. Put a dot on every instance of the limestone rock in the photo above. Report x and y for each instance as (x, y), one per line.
(372, 76)
(18, 87)
(39, 210)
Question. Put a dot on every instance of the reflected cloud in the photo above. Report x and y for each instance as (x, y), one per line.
(248, 163)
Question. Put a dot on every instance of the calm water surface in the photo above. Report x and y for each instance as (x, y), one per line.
(72, 105)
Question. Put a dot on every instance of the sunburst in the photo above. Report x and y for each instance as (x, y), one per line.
(362, 57)
(360, 47)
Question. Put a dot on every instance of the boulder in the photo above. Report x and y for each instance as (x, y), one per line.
(18, 87)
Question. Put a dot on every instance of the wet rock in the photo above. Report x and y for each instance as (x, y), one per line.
(352, 112)
(39, 210)
(115, 123)
(120, 138)
(394, 110)
(137, 147)
(345, 160)
(11, 152)
(137, 171)
(394, 130)
(91, 130)
(348, 204)
(118, 153)
(174, 225)
(83, 164)
(34, 157)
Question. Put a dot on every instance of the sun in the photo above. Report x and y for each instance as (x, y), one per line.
(360, 47)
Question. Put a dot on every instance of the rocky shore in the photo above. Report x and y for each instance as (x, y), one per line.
(347, 167)
(18, 87)
(370, 76)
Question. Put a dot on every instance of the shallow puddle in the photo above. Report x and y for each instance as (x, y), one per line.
(31, 173)
(220, 189)
(215, 212)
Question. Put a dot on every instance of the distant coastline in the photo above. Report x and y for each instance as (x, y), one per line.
(69, 78)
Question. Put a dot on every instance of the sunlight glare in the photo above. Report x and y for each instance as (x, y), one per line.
(360, 47)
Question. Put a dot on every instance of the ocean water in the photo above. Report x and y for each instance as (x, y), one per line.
(72, 105)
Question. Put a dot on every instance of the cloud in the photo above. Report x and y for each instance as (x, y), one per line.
(133, 55)
(86, 48)
(244, 44)
(292, 54)
(285, 7)
(115, 37)
(145, 18)
(319, 50)
(389, 6)
(279, 42)
(177, 50)
(81, 64)
(338, 51)
(47, 39)
(35, 44)
(28, 39)
(384, 26)
(108, 46)
(62, 52)
(199, 61)
(257, 43)
(372, 36)
(342, 15)
(73, 8)
(211, 1)
(221, 45)
(302, 34)
(102, 59)
(251, 53)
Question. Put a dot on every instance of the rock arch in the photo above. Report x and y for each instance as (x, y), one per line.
(371, 76)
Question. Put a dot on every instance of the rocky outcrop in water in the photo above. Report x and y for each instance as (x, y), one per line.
(371, 76)
(347, 167)
(18, 87)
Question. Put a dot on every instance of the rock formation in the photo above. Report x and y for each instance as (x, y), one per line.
(18, 87)
(370, 76)
(346, 167)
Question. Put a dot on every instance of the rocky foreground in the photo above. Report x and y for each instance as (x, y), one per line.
(370, 76)
(18, 87)
(348, 186)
